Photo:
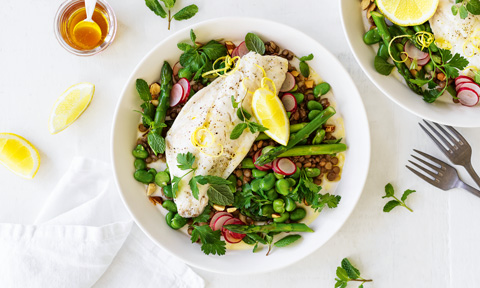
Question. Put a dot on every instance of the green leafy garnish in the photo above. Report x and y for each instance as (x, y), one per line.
(244, 116)
(204, 217)
(346, 273)
(382, 66)
(287, 240)
(309, 191)
(304, 68)
(143, 90)
(184, 13)
(211, 243)
(220, 194)
(254, 43)
(389, 192)
(465, 6)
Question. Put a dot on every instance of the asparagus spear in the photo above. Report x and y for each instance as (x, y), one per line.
(302, 134)
(293, 128)
(314, 150)
(379, 20)
(273, 227)
(164, 97)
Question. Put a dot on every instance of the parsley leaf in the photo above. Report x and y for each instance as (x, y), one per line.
(175, 183)
(211, 243)
(193, 186)
(204, 217)
(390, 193)
(220, 194)
(346, 273)
(325, 200)
(185, 161)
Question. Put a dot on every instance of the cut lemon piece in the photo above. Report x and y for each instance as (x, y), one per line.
(270, 113)
(70, 105)
(19, 155)
(408, 12)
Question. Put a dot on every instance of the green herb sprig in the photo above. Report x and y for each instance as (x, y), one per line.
(462, 7)
(346, 273)
(304, 68)
(218, 192)
(389, 192)
(244, 116)
(309, 191)
(183, 14)
(211, 243)
(254, 43)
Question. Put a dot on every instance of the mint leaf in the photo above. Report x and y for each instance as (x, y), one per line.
(214, 50)
(169, 3)
(175, 183)
(185, 161)
(254, 43)
(234, 103)
(341, 274)
(287, 240)
(255, 127)
(143, 90)
(382, 66)
(193, 37)
(463, 12)
(390, 205)
(184, 47)
(473, 6)
(420, 82)
(220, 194)
(307, 58)
(352, 272)
(156, 142)
(155, 6)
(186, 13)
(240, 115)
(304, 69)
(477, 77)
(238, 130)
(389, 192)
(193, 186)
(454, 10)
(210, 179)
(406, 193)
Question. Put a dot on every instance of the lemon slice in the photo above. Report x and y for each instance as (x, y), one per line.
(19, 155)
(270, 113)
(70, 105)
(408, 12)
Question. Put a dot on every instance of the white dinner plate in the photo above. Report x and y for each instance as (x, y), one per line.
(354, 174)
(442, 111)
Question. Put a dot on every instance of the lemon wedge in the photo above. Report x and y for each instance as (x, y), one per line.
(19, 155)
(70, 105)
(270, 113)
(408, 12)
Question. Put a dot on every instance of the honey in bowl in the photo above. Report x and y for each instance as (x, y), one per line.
(86, 38)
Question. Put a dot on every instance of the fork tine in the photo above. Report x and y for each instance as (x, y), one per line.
(434, 175)
(433, 159)
(444, 150)
(425, 178)
(456, 133)
(426, 163)
(440, 136)
(454, 141)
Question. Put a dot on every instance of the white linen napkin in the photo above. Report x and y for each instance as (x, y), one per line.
(84, 237)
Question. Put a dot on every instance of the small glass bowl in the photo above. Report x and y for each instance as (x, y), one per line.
(61, 24)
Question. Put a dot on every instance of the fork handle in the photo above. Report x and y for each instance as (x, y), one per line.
(468, 166)
(469, 188)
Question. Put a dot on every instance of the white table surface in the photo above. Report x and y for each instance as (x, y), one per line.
(436, 246)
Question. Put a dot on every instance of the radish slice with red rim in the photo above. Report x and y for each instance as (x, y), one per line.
(467, 97)
(289, 83)
(186, 88)
(284, 166)
(423, 61)
(265, 167)
(474, 86)
(176, 95)
(413, 52)
(242, 49)
(175, 68)
(463, 79)
(289, 102)
(235, 52)
(216, 216)
(221, 221)
(232, 237)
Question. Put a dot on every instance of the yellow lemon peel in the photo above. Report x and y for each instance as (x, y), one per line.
(425, 39)
(229, 63)
(474, 39)
(199, 145)
(402, 52)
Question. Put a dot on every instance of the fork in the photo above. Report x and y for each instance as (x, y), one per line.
(445, 178)
(460, 152)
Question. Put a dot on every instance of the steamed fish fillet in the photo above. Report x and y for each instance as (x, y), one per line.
(211, 108)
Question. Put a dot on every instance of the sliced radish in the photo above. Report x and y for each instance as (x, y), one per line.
(221, 221)
(463, 79)
(265, 167)
(467, 97)
(216, 216)
(242, 49)
(413, 52)
(235, 52)
(284, 166)
(186, 89)
(474, 86)
(289, 83)
(232, 237)
(289, 102)
(423, 61)
(176, 95)
(175, 68)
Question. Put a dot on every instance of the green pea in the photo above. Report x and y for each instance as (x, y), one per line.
(299, 97)
(319, 136)
(178, 222)
(267, 210)
(143, 176)
(283, 217)
(321, 89)
(296, 175)
(162, 178)
(292, 181)
(233, 185)
(169, 217)
(371, 37)
(282, 186)
(247, 163)
(278, 176)
(258, 173)
(170, 205)
(294, 88)
(167, 191)
(312, 172)
(314, 105)
(185, 73)
(140, 152)
(298, 214)
(268, 182)
(279, 206)
(312, 114)
(256, 185)
(383, 52)
(289, 204)
(271, 194)
(140, 164)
